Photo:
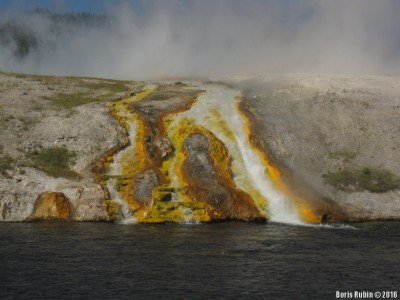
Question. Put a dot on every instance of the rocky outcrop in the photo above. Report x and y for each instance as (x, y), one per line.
(51, 207)
(145, 182)
(87, 202)
(207, 183)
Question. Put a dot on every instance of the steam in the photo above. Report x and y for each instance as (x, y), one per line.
(153, 39)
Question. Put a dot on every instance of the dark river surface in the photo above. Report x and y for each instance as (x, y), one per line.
(208, 261)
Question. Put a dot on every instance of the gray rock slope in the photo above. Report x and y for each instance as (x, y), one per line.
(314, 125)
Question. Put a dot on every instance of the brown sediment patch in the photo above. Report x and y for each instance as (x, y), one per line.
(51, 206)
(311, 205)
(208, 179)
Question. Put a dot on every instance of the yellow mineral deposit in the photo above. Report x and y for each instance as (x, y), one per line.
(217, 111)
(215, 114)
(124, 165)
(207, 112)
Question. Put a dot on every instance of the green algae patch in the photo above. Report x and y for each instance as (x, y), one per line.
(175, 212)
(163, 193)
(162, 212)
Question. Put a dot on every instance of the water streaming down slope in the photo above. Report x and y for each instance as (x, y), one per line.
(120, 166)
(116, 170)
(217, 111)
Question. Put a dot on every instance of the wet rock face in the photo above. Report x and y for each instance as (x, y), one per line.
(156, 145)
(51, 206)
(205, 185)
(145, 182)
(198, 161)
(151, 112)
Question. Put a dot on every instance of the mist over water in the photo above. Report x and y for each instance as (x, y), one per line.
(153, 39)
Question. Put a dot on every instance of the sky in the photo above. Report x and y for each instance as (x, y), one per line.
(55, 5)
(160, 38)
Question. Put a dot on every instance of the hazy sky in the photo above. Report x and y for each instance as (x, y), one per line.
(158, 38)
(95, 6)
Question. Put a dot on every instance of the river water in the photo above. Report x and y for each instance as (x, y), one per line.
(205, 261)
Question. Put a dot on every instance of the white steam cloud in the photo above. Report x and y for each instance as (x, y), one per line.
(217, 38)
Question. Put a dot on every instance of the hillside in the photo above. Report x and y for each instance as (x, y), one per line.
(338, 135)
(96, 149)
